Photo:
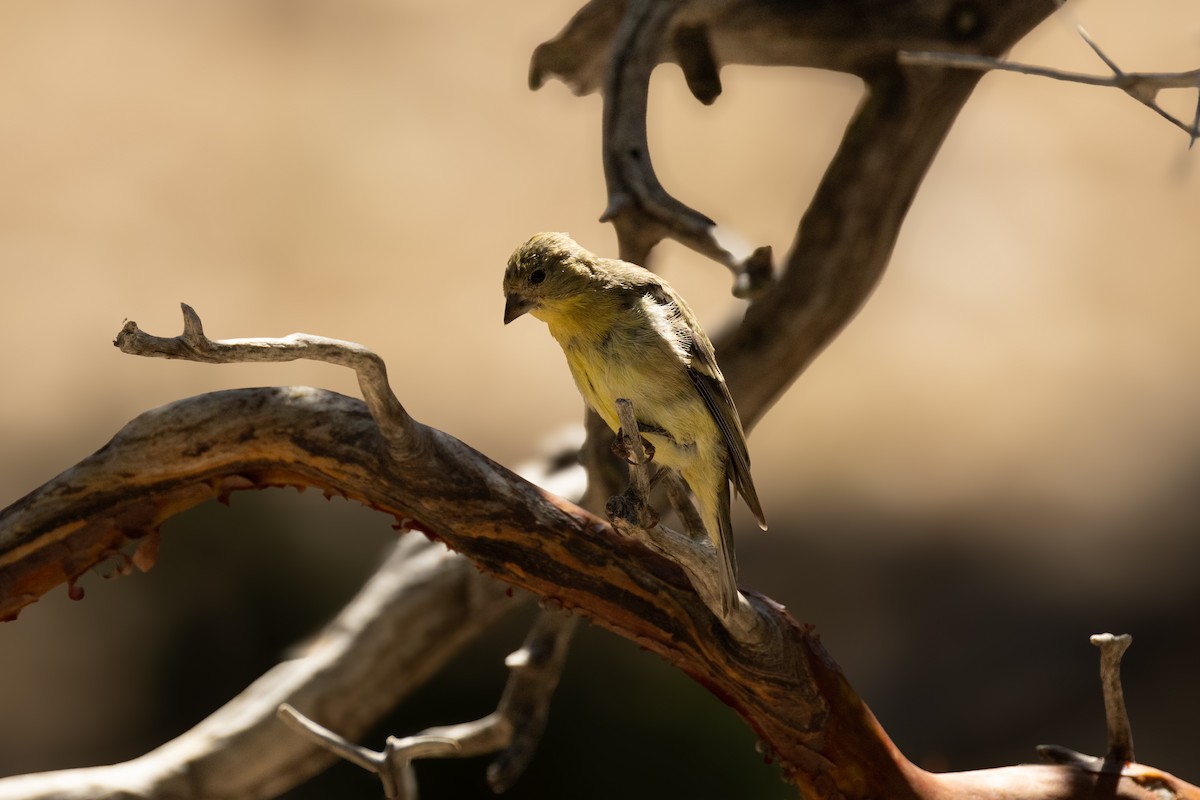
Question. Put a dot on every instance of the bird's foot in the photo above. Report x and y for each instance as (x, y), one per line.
(633, 508)
(623, 449)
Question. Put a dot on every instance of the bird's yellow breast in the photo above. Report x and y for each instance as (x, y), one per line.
(617, 351)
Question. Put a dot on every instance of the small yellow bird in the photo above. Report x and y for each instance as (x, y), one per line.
(627, 335)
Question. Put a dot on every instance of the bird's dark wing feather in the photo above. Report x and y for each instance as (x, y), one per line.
(707, 378)
(708, 381)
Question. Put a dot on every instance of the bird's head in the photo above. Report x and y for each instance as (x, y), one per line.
(544, 274)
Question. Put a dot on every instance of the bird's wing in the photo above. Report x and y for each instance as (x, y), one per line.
(706, 377)
(708, 381)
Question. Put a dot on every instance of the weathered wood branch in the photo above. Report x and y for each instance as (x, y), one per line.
(640, 209)
(404, 438)
(1120, 732)
(854, 36)
(783, 682)
(514, 728)
(847, 235)
(413, 615)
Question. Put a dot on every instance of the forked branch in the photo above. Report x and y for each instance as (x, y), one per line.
(409, 619)
(514, 727)
(1141, 86)
(780, 679)
(782, 682)
(640, 209)
(192, 345)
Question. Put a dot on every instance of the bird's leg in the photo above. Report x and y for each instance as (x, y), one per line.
(631, 514)
(633, 504)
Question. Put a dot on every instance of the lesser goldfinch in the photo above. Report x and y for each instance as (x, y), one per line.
(627, 334)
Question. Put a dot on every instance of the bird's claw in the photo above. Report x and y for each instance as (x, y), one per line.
(633, 508)
(622, 450)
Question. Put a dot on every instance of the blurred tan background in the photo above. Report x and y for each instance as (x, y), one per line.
(997, 458)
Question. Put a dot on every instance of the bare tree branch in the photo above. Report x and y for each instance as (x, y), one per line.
(772, 670)
(406, 622)
(394, 422)
(782, 682)
(849, 230)
(1141, 86)
(1120, 732)
(393, 765)
(1119, 759)
(640, 209)
(520, 732)
(514, 727)
(854, 36)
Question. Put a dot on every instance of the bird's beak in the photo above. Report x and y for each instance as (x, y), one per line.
(515, 306)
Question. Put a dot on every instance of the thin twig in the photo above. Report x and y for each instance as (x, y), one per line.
(1195, 122)
(1141, 86)
(392, 765)
(639, 468)
(398, 428)
(1119, 760)
(633, 504)
(1087, 38)
(535, 671)
(1065, 756)
(414, 614)
(515, 727)
(1120, 733)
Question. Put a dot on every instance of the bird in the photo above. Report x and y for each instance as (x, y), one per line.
(627, 334)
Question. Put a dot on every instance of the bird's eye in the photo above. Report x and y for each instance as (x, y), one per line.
(537, 276)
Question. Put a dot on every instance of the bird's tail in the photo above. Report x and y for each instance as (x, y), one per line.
(720, 530)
